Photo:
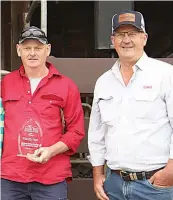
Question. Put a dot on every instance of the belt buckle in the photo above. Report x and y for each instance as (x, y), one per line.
(123, 173)
(133, 176)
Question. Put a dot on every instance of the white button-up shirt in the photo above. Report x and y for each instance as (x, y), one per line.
(131, 126)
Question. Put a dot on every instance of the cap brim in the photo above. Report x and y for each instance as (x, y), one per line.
(128, 23)
(43, 41)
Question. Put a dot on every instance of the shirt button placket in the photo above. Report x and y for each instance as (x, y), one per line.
(29, 92)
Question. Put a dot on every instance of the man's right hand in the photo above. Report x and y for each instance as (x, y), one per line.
(98, 186)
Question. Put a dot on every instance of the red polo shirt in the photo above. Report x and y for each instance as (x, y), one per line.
(35, 120)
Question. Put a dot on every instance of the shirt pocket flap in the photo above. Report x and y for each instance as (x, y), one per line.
(146, 96)
(106, 105)
(11, 103)
(52, 96)
(105, 98)
(146, 106)
(51, 104)
(11, 97)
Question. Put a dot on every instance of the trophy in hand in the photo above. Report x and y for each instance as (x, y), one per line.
(29, 138)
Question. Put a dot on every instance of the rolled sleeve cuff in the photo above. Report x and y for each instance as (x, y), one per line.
(71, 150)
(96, 161)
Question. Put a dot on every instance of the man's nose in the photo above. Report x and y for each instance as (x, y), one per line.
(32, 52)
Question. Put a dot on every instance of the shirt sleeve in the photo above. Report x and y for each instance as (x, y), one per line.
(74, 120)
(96, 135)
(1, 126)
(169, 104)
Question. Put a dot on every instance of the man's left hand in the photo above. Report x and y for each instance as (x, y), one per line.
(41, 155)
(163, 178)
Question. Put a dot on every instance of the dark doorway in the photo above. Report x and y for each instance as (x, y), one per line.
(158, 19)
(71, 28)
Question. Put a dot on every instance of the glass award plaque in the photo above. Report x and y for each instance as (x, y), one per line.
(29, 138)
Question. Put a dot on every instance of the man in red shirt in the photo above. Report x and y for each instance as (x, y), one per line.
(36, 152)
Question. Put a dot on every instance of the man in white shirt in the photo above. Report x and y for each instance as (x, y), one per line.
(132, 119)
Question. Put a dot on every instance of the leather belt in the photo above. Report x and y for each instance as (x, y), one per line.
(132, 176)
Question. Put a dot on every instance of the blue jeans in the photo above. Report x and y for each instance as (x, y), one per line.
(118, 189)
(11, 190)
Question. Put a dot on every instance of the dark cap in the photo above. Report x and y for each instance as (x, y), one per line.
(33, 33)
(128, 17)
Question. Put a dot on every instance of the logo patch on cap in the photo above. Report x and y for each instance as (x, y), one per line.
(126, 17)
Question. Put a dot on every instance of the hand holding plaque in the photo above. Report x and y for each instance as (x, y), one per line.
(41, 155)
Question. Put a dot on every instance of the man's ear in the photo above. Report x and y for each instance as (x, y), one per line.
(145, 38)
(18, 49)
(112, 40)
(48, 49)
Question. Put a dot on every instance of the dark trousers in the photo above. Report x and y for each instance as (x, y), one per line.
(11, 190)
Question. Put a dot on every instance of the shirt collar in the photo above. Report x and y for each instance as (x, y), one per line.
(116, 67)
(141, 63)
(51, 67)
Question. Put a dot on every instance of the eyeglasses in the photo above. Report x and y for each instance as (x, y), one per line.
(131, 34)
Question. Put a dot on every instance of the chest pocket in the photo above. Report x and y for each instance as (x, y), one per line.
(51, 105)
(108, 108)
(11, 104)
(149, 105)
